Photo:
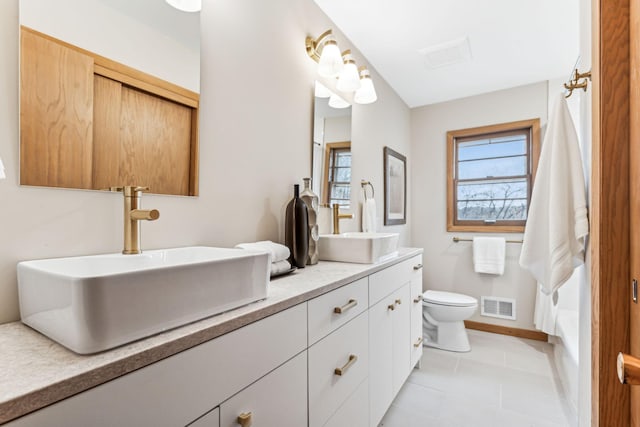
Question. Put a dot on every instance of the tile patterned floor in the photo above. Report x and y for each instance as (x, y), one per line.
(502, 382)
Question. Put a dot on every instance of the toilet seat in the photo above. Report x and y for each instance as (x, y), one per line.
(449, 299)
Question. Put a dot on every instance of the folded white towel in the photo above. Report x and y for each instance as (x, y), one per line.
(369, 216)
(488, 255)
(280, 267)
(278, 252)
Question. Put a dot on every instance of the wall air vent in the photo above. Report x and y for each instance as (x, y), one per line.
(503, 308)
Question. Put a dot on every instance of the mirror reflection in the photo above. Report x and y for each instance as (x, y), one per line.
(109, 95)
(331, 163)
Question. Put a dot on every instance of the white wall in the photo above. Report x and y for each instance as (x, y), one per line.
(255, 143)
(107, 31)
(448, 265)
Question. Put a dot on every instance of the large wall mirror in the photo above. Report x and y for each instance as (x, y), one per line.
(109, 95)
(331, 162)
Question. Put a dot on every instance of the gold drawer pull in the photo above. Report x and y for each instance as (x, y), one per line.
(391, 307)
(341, 371)
(417, 267)
(398, 301)
(417, 299)
(417, 344)
(244, 419)
(339, 310)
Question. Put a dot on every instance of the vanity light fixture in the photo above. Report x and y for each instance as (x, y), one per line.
(336, 101)
(186, 5)
(325, 51)
(2, 174)
(349, 79)
(367, 93)
(331, 63)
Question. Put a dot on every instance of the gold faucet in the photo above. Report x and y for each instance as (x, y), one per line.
(337, 216)
(133, 215)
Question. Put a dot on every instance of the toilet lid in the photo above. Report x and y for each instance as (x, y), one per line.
(449, 298)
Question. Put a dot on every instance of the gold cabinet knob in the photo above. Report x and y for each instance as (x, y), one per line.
(398, 301)
(244, 419)
(417, 267)
(391, 307)
(418, 342)
(628, 368)
(417, 299)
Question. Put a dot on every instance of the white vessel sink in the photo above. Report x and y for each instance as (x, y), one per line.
(363, 248)
(93, 303)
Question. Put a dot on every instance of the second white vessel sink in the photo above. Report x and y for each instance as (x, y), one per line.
(362, 248)
(93, 303)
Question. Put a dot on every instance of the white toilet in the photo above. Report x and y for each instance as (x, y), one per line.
(443, 315)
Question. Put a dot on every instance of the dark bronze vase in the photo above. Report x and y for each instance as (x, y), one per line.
(296, 233)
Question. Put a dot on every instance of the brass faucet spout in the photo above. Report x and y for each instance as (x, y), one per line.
(337, 216)
(132, 217)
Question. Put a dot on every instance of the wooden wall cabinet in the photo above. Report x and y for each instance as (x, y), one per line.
(92, 123)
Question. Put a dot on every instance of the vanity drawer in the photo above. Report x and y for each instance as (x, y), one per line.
(278, 399)
(327, 388)
(355, 411)
(388, 280)
(330, 311)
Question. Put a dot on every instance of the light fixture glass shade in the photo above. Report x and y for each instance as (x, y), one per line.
(338, 102)
(330, 64)
(349, 79)
(367, 93)
(2, 174)
(321, 91)
(186, 5)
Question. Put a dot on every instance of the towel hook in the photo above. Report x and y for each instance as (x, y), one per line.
(364, 185)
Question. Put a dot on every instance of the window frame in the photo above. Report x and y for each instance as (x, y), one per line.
(330, 149)
(533, 154)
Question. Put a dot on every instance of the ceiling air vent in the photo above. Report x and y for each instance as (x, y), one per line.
(503, 308)
(448, 53)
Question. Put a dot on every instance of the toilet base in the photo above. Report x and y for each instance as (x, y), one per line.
(451, 336)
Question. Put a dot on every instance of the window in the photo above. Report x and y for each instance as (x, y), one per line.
(490, 173)
(337, 185)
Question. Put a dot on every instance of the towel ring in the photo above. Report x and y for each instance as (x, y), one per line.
(364, 185)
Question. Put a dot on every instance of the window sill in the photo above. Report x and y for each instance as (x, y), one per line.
(486, 228)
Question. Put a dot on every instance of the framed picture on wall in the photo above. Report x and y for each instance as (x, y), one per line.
(395, 187)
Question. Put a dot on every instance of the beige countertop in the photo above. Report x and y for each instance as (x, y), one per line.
(36, 372)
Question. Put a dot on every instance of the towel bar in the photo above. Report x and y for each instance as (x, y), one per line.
(364, 184)
(457, 239)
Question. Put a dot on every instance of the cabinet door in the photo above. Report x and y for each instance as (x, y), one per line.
(278, 399)
(401, 337)
(416, 319)
(380, 358)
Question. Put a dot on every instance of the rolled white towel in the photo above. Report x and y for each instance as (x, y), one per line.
(280, 267)
(278, 252)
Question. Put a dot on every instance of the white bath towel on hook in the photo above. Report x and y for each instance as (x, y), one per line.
(557, 224)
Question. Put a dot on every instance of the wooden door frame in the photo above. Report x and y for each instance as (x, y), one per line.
(610, 209)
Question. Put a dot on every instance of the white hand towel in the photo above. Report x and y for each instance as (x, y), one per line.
(557, 223)
(2, 174)
(280, 267)
(488, 255)
(278, 252)
(369, 216)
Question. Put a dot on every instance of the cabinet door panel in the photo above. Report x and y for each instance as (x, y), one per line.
(380, 359)
(401, 337)
(278, 399)
(416, 319)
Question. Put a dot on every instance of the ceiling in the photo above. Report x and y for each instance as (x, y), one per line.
(511, 43)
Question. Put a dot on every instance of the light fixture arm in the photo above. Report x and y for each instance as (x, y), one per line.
(314, 45)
